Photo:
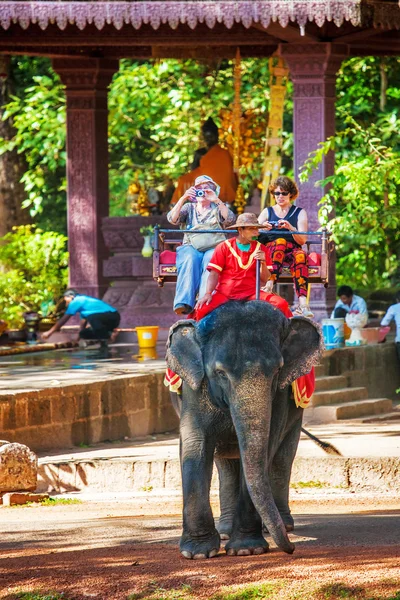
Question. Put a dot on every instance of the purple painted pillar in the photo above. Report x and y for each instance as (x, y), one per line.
(313, 69)
(86, 81)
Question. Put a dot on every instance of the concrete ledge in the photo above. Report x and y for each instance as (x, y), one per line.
(87, 413)
(125, 474)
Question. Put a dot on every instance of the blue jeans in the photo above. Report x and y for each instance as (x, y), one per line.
(192, 274)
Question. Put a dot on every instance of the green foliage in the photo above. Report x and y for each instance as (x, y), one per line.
(35, 265)
(156, 111)
(147, 230)
(363, 193)
(38, 113)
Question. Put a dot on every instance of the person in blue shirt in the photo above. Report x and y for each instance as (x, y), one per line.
(98, 319)
(348, 302)
(394, 313)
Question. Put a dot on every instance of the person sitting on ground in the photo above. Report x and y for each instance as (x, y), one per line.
(394, 313)
(348, 302)
(288, 248)
(99, 320)
(192, 257)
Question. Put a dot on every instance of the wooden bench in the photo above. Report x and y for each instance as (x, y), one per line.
(164, 257)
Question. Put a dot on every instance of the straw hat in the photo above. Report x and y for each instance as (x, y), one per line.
(246, 220)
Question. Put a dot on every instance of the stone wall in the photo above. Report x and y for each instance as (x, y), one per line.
(374, 366)
(61, 417)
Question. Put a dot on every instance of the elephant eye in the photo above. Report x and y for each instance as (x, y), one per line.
(221, 373)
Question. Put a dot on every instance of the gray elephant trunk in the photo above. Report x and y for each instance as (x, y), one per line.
(251, 414)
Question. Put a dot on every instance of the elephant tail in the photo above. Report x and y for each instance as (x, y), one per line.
(326, 447)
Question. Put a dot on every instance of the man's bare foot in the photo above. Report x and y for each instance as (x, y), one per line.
(114, 336)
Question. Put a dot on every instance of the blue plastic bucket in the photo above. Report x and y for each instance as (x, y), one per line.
(333, 332)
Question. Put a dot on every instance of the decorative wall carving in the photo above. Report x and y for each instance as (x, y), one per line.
(154, 13)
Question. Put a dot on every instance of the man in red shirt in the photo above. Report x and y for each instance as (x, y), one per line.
(233, 269)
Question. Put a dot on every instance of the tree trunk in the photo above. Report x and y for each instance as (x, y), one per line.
(12, 164)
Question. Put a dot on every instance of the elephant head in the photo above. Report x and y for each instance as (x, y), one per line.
(244, 352)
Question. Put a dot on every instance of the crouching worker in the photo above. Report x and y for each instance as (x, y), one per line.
(99, 320)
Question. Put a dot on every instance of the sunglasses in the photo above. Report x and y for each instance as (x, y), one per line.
(281, 193)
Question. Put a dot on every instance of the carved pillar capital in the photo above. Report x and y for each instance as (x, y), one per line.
(313, 69)
(313, 61)
(86, 81)
(85, 73)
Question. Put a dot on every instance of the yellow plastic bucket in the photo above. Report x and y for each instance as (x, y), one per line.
(147, 336)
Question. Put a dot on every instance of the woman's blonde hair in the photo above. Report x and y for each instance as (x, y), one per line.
(286, 184)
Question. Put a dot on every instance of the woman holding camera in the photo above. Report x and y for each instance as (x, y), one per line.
(198, 208)
(285, 216)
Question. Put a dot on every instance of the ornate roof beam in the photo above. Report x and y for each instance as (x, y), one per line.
(82, 13)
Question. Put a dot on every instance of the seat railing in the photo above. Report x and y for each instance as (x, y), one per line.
(166, 272)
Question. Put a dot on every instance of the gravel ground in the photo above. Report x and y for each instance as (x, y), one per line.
(346, 547)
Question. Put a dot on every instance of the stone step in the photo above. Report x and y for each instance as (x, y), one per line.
(382, 418)
(334, 382)
(319, 370)
(343, 395)
(351, 410)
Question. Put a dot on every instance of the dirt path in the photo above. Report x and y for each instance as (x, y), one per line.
(105, 552)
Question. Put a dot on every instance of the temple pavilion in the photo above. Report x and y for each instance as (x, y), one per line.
(86, 39)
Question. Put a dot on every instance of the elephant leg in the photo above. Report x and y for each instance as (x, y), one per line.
(246, 537)
(229, 486)
(199, 539)
(282, 462)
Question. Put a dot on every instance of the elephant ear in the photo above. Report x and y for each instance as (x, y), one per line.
(184, 355)
(301, 350)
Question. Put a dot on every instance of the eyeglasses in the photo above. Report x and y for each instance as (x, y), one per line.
(281, 193)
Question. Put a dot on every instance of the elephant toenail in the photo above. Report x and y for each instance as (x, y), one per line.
(231, 552)
(225, 536)
(260, 550)
(186, 554)
(199, 556)
(213, 553)
(244, 552)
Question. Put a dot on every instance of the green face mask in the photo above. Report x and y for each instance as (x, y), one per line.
(254, 238)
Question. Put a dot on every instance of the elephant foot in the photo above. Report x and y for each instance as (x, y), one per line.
(224, 529)
(246, 545)
(193, 548)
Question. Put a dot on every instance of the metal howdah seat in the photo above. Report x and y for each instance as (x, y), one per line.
(164, 255)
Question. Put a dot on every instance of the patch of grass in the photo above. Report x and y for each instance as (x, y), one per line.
(335, 591)
(308, 484)
(146, 488)
(60, 501)
(49, 502)
(253, 592)
(39, 596)
(154, 591)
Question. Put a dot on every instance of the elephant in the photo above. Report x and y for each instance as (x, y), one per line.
(237, 364)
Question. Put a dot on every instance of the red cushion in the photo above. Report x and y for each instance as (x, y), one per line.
(167, 257)
(314, 259)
